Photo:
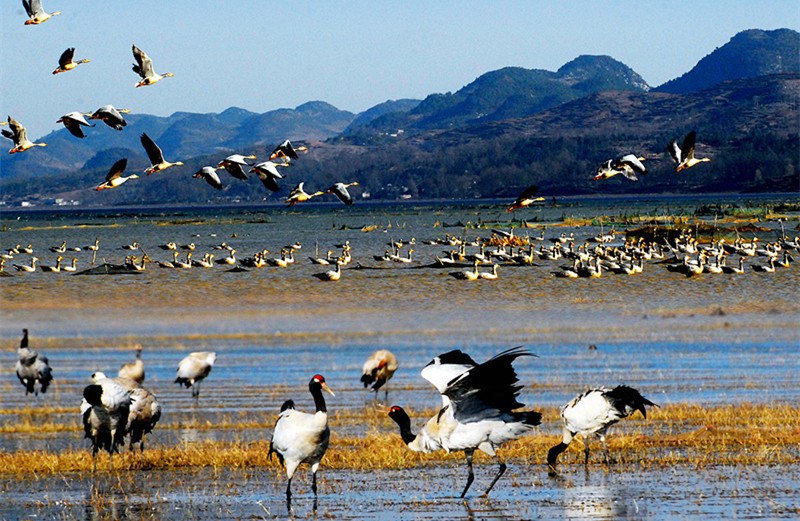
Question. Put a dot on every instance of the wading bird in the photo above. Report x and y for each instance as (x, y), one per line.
(133, 370)
(301, 437)
(379, 369)
(66, 63)
(114, 178)
(105, 409)
(194, 368)
(477, 412)
(144, 68)
(73, 121)
(684, 155)
(628, 165)
(234, 165)
(526, 198)
(593, 412)
(144, 411)
(19, 136)
(32, 368)
(157, 162)
(36, 13)
(111, 116)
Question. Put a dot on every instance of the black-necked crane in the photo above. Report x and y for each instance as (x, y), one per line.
(286, 150)
(32, 368)
(105, 409)
(209, 174)
(36, 13)
(267, 172)
(234, 165)
(144, 411)
(684, 155)
(144, 68)
(19, 135)
(111, 116)
(628, 165)
(194, 368)
(379, 369)
(156, 157)
(114, 178)
(479, 412)
(299, 195)
(593, 412)
(301, 437)
(340, 191)
(73, 121)
(526, 198)
(330, 275)
(133, 370)
(66, 61)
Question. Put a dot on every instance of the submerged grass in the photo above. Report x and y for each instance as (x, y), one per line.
(684, 434)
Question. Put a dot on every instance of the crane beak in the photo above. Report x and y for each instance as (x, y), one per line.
(327, 389)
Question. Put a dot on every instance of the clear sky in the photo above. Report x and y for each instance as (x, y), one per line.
(264, 55)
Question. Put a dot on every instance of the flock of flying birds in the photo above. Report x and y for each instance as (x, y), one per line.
(480, 409)
(74, 122)
(628, 165)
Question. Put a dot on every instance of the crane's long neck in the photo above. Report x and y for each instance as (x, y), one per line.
(404, 422)
(319, 401)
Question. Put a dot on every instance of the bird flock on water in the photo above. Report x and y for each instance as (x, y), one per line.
(480, 409)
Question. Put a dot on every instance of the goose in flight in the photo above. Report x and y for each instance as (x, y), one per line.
(114, 177)
(267, 172)
(157, 161)
(17, 133)
(144, 68)
(209, 173)
(286, 150)
(684, 155)
(36, 13)
(340, 191)
(628, 165)
(111, 116)
(234, 165)
(73, 121)
(526, 198)
(66, 63)
(299, 195)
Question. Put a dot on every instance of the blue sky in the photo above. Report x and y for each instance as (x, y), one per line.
(263, 55)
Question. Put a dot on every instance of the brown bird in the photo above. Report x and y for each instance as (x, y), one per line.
(65, 62)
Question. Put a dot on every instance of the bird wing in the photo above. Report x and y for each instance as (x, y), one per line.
(144, 65)
(18, 133)
(633, 162)
(211, 177)
(153, 151)
(528, 193)
(234, 168)
(628, 173)
(73, 126)
(340, 191)
(487, 390)
(7, 133)
(117, 169)
(66, 57)
(675, 151)
(687, 147)
(285, 149)
(268, 175)
(28, 8)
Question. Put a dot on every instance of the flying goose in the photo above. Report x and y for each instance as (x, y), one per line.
(628, 165)
(684, 155)
(157, 162)
(209, 174)
(526, 198)
(36, 13)
(111, 116)
(234, 164)
(19, 136)
(144, 68)
(114, 179)
(66, 63)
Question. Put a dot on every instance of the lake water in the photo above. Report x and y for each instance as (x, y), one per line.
(712, 339)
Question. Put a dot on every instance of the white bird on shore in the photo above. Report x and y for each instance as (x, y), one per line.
(32, 368)
(478, 411)
(194, 368)
(378, 369)
(133, 370)
(301, 437)
(593, 412)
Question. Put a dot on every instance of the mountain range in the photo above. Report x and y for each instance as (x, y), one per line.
(508, 128)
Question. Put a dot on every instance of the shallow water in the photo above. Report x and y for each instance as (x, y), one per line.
(715, 339)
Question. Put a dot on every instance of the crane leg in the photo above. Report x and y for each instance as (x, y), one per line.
(586, 451)
(314, 483)
(500, 472)
(471, 475)
(605, 448)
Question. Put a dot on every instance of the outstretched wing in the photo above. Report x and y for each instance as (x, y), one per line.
(66, 57)
(117, 169)
(144, 65)
(153, 151)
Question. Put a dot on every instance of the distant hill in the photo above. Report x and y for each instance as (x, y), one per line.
(387, 107)
(748, 54)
